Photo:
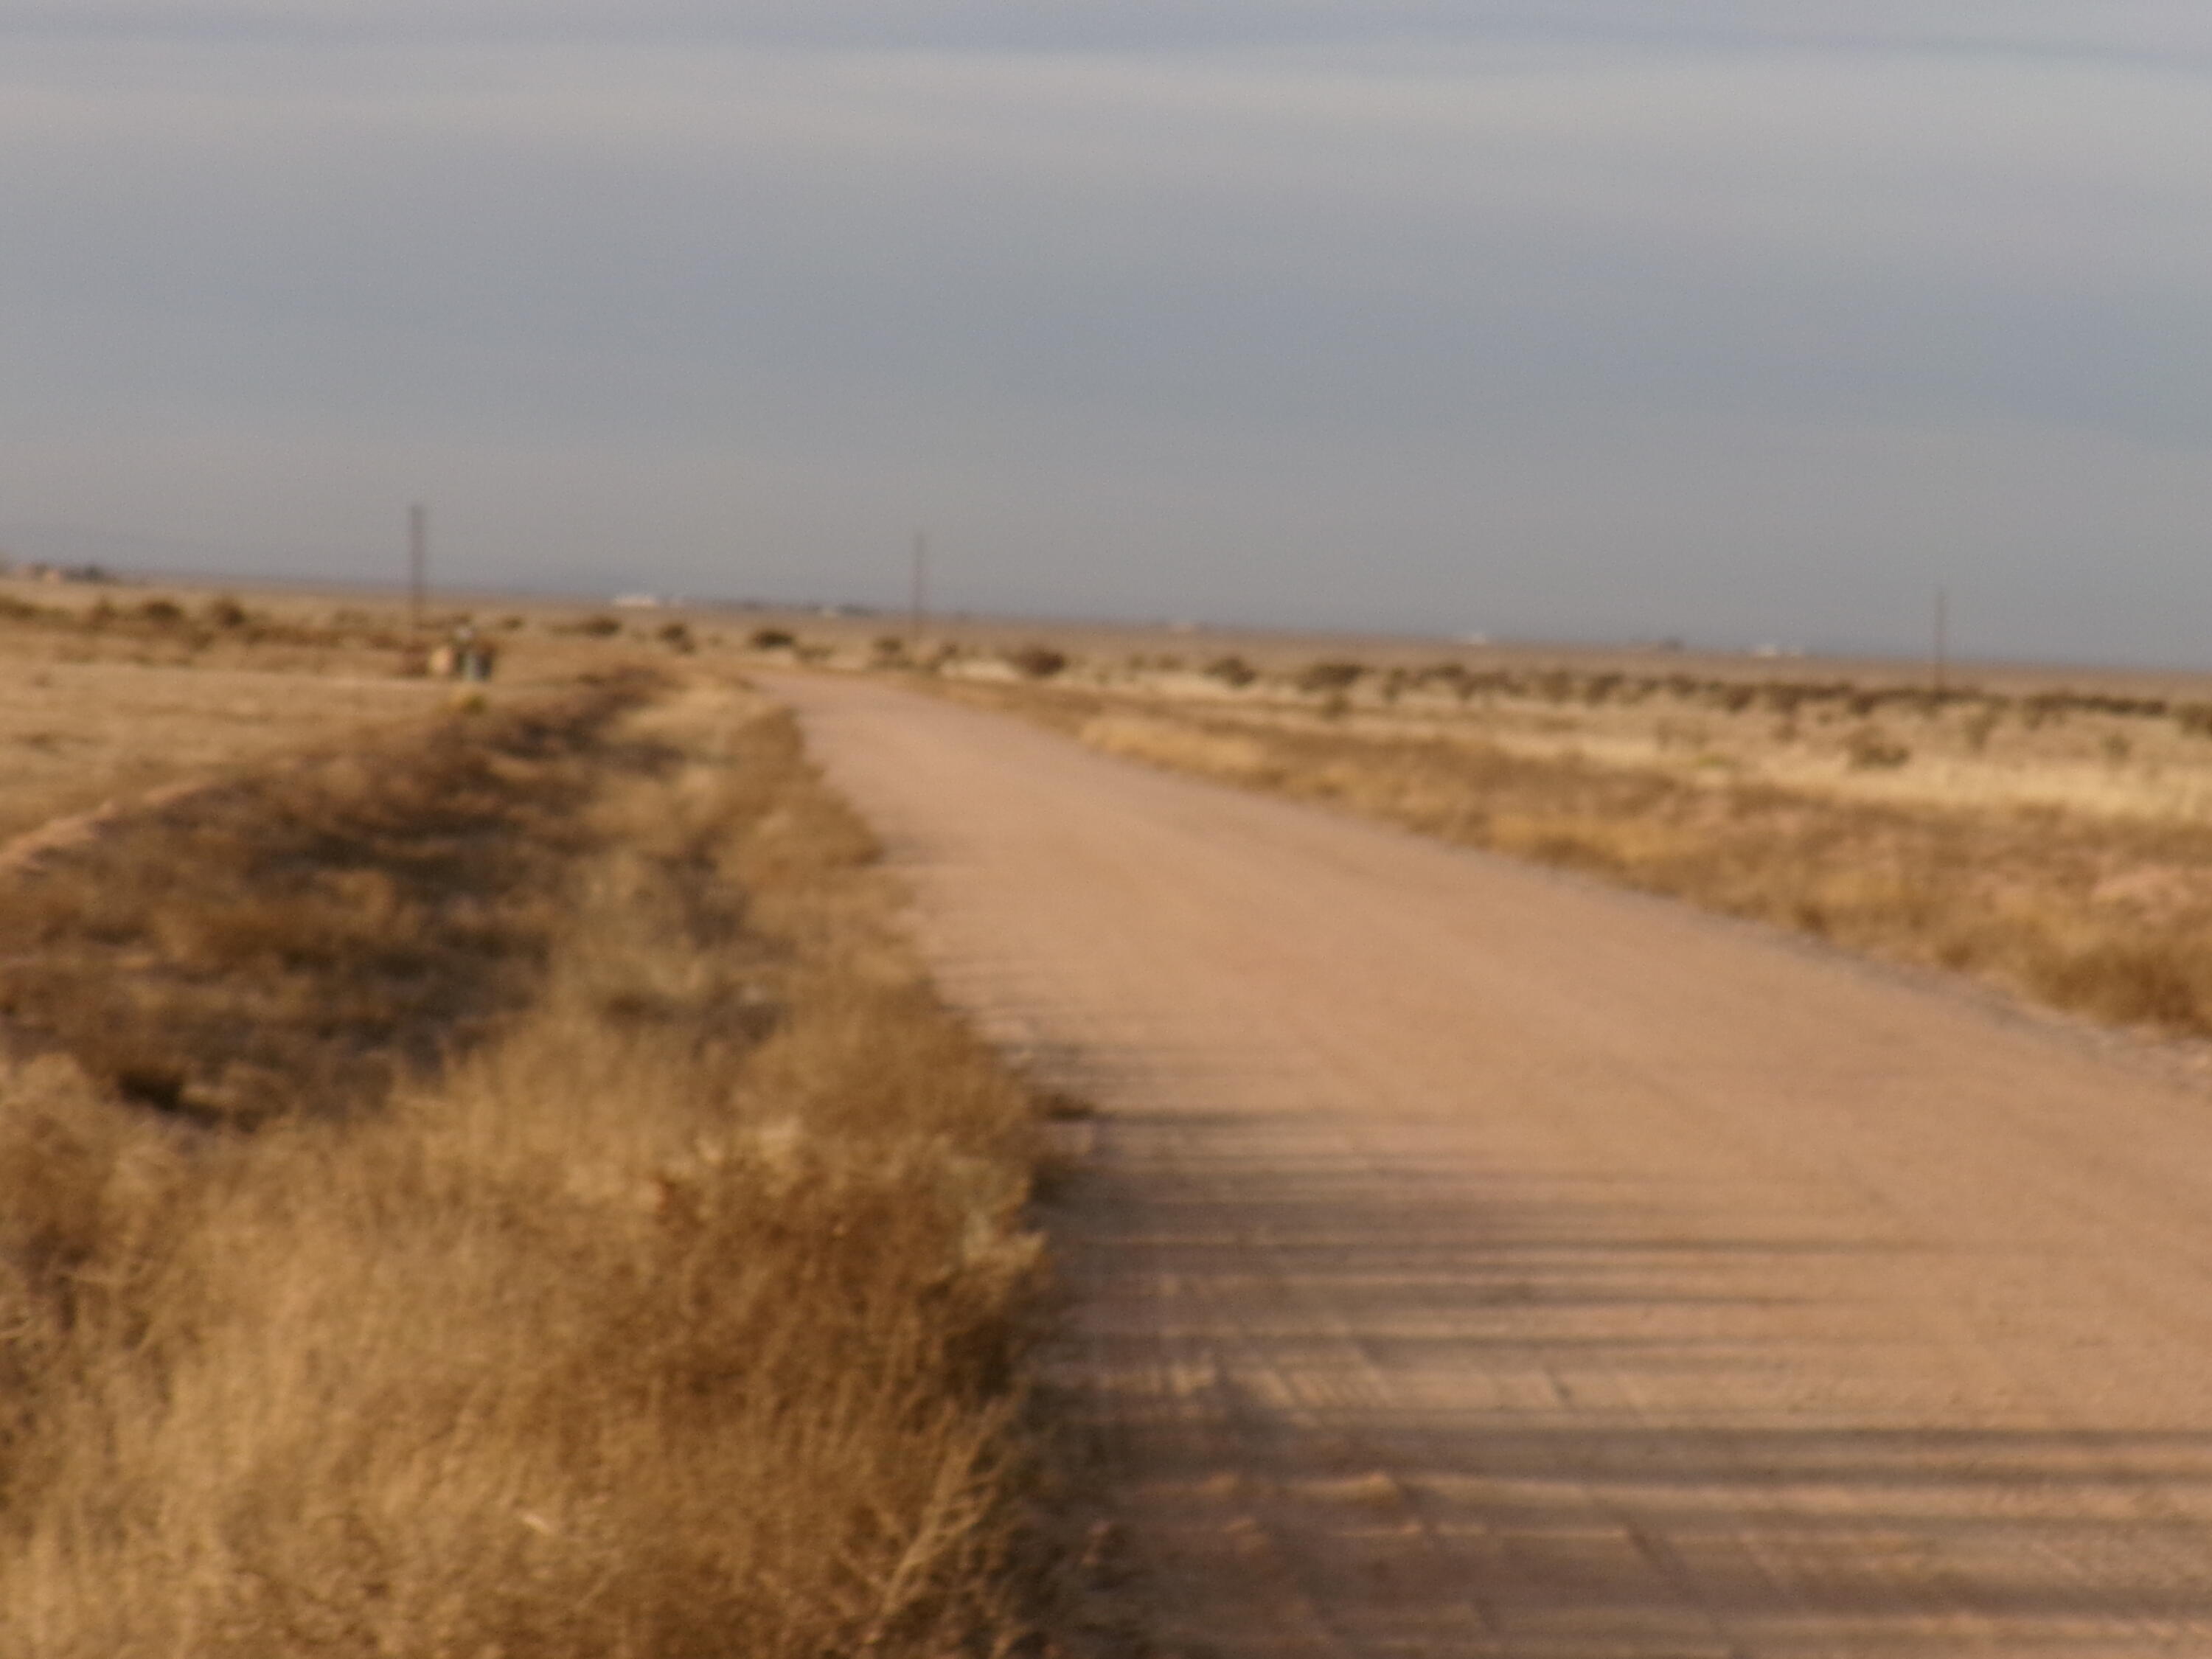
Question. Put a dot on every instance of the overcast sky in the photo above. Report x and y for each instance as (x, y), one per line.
(1598, 318)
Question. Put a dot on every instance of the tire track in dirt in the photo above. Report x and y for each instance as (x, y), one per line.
(1472, 1261)
(77, 830)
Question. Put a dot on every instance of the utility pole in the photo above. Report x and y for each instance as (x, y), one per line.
(917, 594)
(1941, 655)
(418, 561)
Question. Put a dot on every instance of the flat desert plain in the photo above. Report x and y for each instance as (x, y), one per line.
(1551, 1154)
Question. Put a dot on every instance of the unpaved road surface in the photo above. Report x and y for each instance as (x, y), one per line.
(1475, 1261)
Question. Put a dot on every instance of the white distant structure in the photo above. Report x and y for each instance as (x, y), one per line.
(639, 601)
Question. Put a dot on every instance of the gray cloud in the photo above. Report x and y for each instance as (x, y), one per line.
(1469, 317)
(2009, 25)
(2163, 29)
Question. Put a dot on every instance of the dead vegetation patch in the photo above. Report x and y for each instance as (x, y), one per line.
(681, 1312)
(306, 934)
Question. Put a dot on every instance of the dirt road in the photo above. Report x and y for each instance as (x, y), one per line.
(1475, 1261)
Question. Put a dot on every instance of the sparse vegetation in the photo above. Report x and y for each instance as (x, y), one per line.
(1325, 678)
(75, 734)
(346, 918)
(1870, 748)
(664, 1297)
(1233, 672)
(2078, 871)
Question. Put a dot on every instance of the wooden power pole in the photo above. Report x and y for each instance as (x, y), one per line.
(918, 593)
(1941, 657)
(418, 561)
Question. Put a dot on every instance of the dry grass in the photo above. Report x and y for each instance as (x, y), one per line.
(680, 1315)
(310, 931)
(110, 690)
(2092, 895)
(74, 735)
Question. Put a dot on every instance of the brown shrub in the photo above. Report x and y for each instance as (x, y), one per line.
(1320, 677)
(342, 919)
(682, 1317)
(1870, 748)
